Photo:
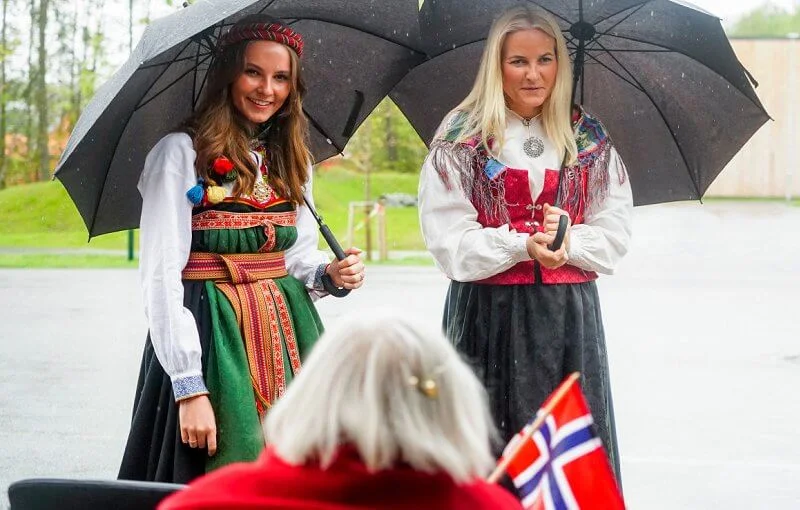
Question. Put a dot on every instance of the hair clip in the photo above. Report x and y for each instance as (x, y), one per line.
(426, 386)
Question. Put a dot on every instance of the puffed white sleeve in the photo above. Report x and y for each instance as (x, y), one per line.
(463, 249)
(600, 242)
(165, 241)
(304, 260)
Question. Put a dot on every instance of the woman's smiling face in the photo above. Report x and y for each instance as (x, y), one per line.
(265, 83)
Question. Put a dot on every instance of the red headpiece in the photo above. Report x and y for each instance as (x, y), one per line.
(265, 32)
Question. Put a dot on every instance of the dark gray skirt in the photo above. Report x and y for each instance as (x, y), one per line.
(154, 451)
(523, 340)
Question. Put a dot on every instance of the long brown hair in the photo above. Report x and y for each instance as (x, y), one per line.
(218, 128)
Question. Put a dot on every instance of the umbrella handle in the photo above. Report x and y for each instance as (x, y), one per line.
(327, 281)
(563, 223)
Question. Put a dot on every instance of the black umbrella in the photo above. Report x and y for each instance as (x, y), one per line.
(661, 75)
(355, 52)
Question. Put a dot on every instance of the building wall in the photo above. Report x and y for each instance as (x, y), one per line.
(767, 166)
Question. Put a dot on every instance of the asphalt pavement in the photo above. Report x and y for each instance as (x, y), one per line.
(702, 330)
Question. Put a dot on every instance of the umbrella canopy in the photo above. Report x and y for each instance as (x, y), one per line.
(355, 53)
(661, 75)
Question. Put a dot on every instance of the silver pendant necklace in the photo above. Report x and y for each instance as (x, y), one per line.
(533, 145)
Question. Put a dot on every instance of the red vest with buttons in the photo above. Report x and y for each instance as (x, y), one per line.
(526, 215)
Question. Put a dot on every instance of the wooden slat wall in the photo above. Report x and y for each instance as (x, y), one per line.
(767, 166)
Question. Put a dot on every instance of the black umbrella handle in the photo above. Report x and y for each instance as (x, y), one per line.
(563, 223)
(327, 281)
(336, 248)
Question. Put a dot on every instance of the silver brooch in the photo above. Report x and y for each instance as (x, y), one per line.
(533, 147)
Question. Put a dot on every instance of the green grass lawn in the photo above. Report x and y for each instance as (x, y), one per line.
(41, 217)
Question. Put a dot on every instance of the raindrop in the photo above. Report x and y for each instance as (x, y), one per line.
(329, 141)
(683, 75)
(319, 41)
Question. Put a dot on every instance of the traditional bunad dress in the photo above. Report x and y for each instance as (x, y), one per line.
(523, 327)
(228, 290)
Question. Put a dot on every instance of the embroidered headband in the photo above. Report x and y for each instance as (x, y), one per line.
(264, 32)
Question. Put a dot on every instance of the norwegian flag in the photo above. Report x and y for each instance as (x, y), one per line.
(562, 465)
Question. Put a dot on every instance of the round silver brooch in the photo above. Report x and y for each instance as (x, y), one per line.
(533, 147)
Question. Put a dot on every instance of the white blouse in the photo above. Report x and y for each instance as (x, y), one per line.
(466, 251)
(165, 242)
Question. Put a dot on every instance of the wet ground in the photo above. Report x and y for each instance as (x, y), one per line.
(701, 321)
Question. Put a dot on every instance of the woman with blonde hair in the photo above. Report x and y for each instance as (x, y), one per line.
(384, 415)
(229, 262)
(525, 315)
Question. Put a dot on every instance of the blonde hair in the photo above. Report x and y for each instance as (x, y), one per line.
(356, 388)
(485, 105)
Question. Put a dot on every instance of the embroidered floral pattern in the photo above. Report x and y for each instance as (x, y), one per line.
(187, 387)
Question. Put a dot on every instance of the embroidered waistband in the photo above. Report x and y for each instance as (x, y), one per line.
(236, 268)
(216, 220)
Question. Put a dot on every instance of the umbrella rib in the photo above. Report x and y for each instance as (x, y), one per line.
(105, 178)
(321, 130)
(170, 84)
(626, 80)
(562, 18)
(625, 69)
(666, 122)
(194, 81)
(203, 84)
(675, 50)
(351, 27)
(165, 69)
(220, 25)
(634, 9)
(614, 50)
(158, 64)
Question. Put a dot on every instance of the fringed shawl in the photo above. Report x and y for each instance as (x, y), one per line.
(481, 177)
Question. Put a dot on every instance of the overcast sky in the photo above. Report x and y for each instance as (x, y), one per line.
(115, 19)
(728, 10)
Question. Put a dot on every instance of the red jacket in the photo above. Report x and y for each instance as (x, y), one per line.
(270, 482)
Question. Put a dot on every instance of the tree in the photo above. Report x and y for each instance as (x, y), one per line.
(767, 21)
(43, 163)
(29, 87)
(3, 53)
(389, 140)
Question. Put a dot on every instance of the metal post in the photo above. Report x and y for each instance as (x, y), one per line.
(130, 50)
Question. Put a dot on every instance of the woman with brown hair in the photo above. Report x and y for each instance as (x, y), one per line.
(229, 262)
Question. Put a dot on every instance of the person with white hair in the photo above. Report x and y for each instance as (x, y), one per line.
(383, 415)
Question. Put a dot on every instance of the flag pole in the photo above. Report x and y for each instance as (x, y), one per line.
(537, 423)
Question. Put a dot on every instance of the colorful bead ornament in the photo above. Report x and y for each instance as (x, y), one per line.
(196, 193)
(215, 194)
